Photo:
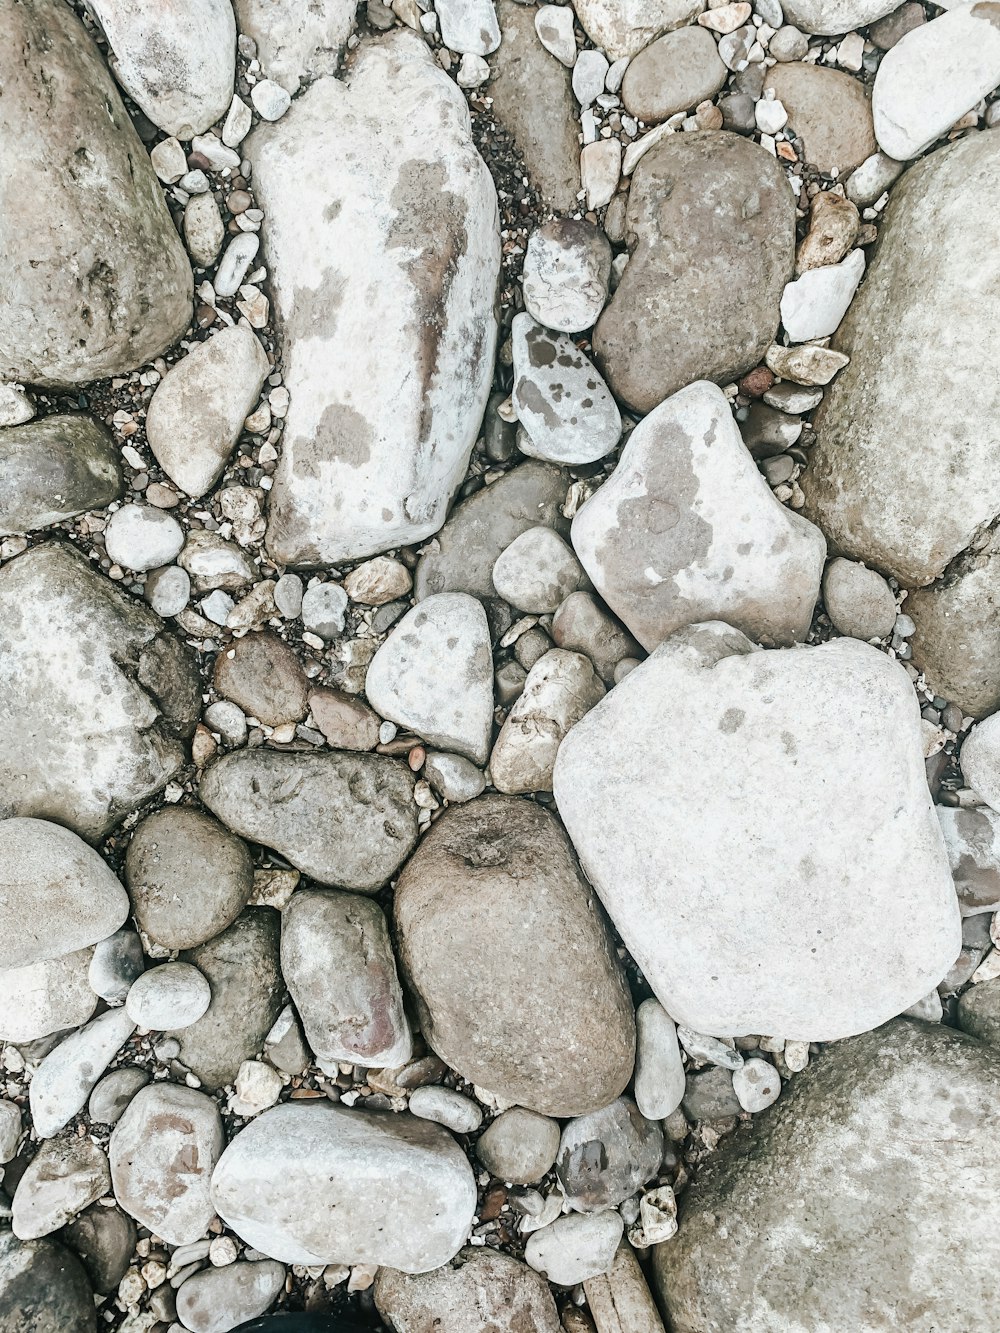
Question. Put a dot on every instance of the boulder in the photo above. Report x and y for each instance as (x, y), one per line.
(295, 43)
(43, 1288)
(829, 111)
(43, 998)
(481, 1289)
(623, 27)
(956, 642)
(54, 469)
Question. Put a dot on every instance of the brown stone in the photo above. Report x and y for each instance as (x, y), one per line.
(346, 722)
(829, 111)
(262, 675)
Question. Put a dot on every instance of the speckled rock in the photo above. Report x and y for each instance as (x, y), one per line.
(297, 44)
(957, 637)
(64, 1079)
(54, 469)
(63, 1178)
(830, 17)
(607, 1155)
(673, 74)
(263, 675)
(481, 1289)
(567, 270)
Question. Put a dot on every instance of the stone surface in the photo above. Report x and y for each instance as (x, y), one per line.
(829, 17)
(297, 44)
(979, 1011)
(519, 1146)
(216, 1299)
(623, 27)
(62, 1179)
(830, 112)
(98, 281)
(468, 26)
(858, 600)
(754, 929)
(65, 1078)
(456, 778)
(108, 1101)
(172, 996)
(10, 1130)
(212, 562)
(262, 674)
(957, 635)
(383, 1188)
(701, 207)
(686, 529)
(972, 839)
(324, 606)
(446, 1107)
(607, 1155)
(673, 74)
(833, 227)
(374, 451)
(141, 537)
(43, 1288)
(659, 1070)
(980, 759)
(55, 469)
(104, 1239)
(582, 625)
(620, 1298)
(537, 572)
(575, 1248)
(567, 269)
(43, 998)
(482, 1289)
(814, 304)
(756, 1084)
(204, 231)
(557, 1035)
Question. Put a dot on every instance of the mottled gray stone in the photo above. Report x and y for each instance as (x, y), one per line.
(216, 1298)
(519, 1145)
(43, 1288)
(114, 1092)
(64, 1079)
(55, 469)
(673, 74)
(104, 1239)
(43, 998)
(607, 1155)
(296, 44)
(830, 112)
(481, 1289)
(263, 675)
(64, 1177)
(567, 269)
(956, 643)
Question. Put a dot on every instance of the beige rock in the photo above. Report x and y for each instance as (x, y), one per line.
(623, 27)
(829, 111)
(675, 73)
(833, 225)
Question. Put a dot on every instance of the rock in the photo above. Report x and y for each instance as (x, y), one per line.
(43, 998)
(561, 687)
(621, 1295)
(383, 1189)
(324, 606)
(566, 409)
(623, 27)
(378, 581)
(709, 1095)
(10, 1130)
(830, 113)
(43, 1287)
(296, 45)
(833, 227)
(867, 183)
(357, 473)
(972, 839)
(980, 759)
(240, 253)
(163, 1152)
(701, 206)
(805, 365)
(590, 70)
(738, 555)
(257, 1087)
(468, 26)
(172, 997)
(672, 74)
(434, 675)
(979, 1012)
(600, 171)
(116, 962)
(241, 966)
(607, 1155)
(582, 625)
(537, 571)
(788, 43)
(486, 523)
(446, 1107)
(63, 1178)
(217, 1299)
(554, 25)
(855, 901)
(178, 70)
(197, 412)
(55, 469)
(141, 537)
(861, 487)
(481, 1289)
(212, 563)
(557, 1035)
(453, 777)
(931, 78)
(858, 600)
(110, 1097)
(533, 101)
(104, 1239)
(338, 964)
(519, 1146)
(15, 405)
(813, 305)
(168, 590)
(957, 636)
(204, 234)
(58, 895)
(659, 1069)
(567, 268)
(756, 1084)
(65, 1078)
(270, 100)
(575, 1248)
(262, 674)
(829, 17)
(285, 1045)
(346, 722)
(99, 281)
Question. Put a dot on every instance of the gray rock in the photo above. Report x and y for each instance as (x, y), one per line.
(701, 207)
(659, 1069)
(212, 562)
(114, 1092)
(99, 281)
(296, 45)
(567, 270)
(468, 26)
(167, 590)
(858, 600)
(757, 1084)
(978, 1011)
(285, 1045)
(453, 777)
(673, 74)
(43, 1288)
(972, 839)
(55, 469)
(383, 1188)
(217, 1299)
(853, 1117)
(575, 1248)
(104, 1239)
(829, 111)
(345, 819)
(204, 231)
(537, 571)
(482, 1289)
(116, 963)
(10, 1130)
(262, 674)
(446, 1107)
(829, 17)
(623, 27)
(61, 1180)
(980, 759)
(43, 998)
(582, 625)
(172, 996)
(957, 636)
(494, 887)
(519, 1146)
(887, 31)
(346, 722)
(141, 537)
(870, 181)
(607, 1155)
(65, 1078)
(710, 1095)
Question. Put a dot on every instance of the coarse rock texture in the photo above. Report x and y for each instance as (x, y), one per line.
(567, 270)
(519, 1145)
(702, 207)
(738, 922)
(212, 1300)
(687, 529)
(43, 998)
(262, 674)
(43, 1288)
(981, 760)
(63, 1178)
(861, 486)
(858, 601)
(956, 643)
(117, 961)
(383, 1189)
(95, 694)
(972, 839)
(621, 28)
(583, 625)
(830, 112)
(608, 1155)
(345, 819)
(829, 17)
(481, 1290)
(297, 43)
(537, 572)
(379, 432)
(55, 469)
(979, 1011)
(807, 1188)
(96, 281)
(494, 891)
(674, 73)
(67, 1075)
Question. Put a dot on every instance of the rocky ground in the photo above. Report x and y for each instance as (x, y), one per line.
(499, 665)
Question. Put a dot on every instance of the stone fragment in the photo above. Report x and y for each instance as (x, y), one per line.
(446, 1107)
(600, 171)
(43, 1288)
(554, 25)
(957, 637)
(468, 26)
(54, 469)
(709, 1095)
(346, 722)
(217, 1299)
(980, 759)
(43, 998)
(807, 364)
(296, 44)
(858, 600)
(972, 839)
(567, 269)
(285, 1045)
(15, 405)
(453, 777)
(519, 1146)
(814, 304)
(659, 1069)
(673, 74)
(623, 27)
(867, 183)
(620, 1298)
(262, 674)
(324, 606)
(61, 1180)
(65, 1078)
(378, 581)
(607, 1155)
(142, 537)
(212, 562)
(829, 111)
(257, 1087)
(978, 1012)
(108, 1101)
(481, 1289)
(833, 226)
(270, 100)
(10, 1130)
(575, 1248)
(172, 997)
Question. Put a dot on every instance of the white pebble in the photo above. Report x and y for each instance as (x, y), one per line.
(757, 1084)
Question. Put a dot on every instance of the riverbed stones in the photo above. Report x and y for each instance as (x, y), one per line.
(98, 281)
(850, 1118)
(701, 206)
(972, 837)
(43, 1287)
(979, 1011)
(537, 572)
(623, 27)
(294, 44)
(54, 469)
(66, 1077)
(574, 1248)
(672, 74)
(172, 996)
(779, 950)
(860, 486)
(830, 17)
(383, 1189)
(607, 1155)
(494, 884)
(216, 1298)
(481, 1289)
(43, 998)
(62, 1179)
(141, 537)
(830, 112)
(358, 473)
(519, 1146)
(659, 1069)
(858, 600)
(567, 270)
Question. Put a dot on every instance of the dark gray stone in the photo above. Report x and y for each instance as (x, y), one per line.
(43, 1289)
(54, 469)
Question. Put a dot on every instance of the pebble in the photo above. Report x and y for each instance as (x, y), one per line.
(604, 1157)
(830, 112)
(168, 590)
(756, 1084)
(600, 171)
(235, 263)
(10, 1130)
(868, 182)
(788, 44)
(473, 71)
(980, 759)
(117, 961)
(346, 722)
(236, 126)
(215, 152)
(554, 25)
(170, 997)
(270, 100)
(858, 600)
(15, 406)
(672, 74)
(376, 582)
(807, 365)
(486, 1289)
(537, 572)
(519, 1146)
(113, 1093)
(813, 305)
(67, 1076)
(770, 115)
(567, 269)
(459, 1114)
(575, 1248)
(169, 160)
(43, 998)
(702, 1047)
(659, 1069)
(324, 607)
(582, 625)
(140, 537)
(257, 1087)
(218, 1299)
(709, 1095)
(589, 73)
(263, 675)
(468, 26)
(453, 777)
(887, 31)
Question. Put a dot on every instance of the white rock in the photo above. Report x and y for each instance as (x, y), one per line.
(446, 1107)
(929, 1009)
(177, 62)
(980, 759)
(933, 76)
(43, 998)
(288, 596)
(324, 607)
(473, 71)
(141, 537)
(567, 271)
(10, 1130)
(203, 229)
(575, 1248)
(434, 674)
(270, 100)
(198, 409)
(168, 590)
(703, 1047)
(870, 181)
(61, 1180)
(829, 17)
(623, 27)
(258, 1086)
(816, 928)
(807, 364)
(116, 963)
(757, 1084)
(218, 156)
(537, 572)
(218, 1299)
(168, 998)
(468, 26)
(239, 119)
(858, 600)
(454, 778)
(554, 25)
(240, 253)
(69, 1073)
(813, 305)
(15, 406)
(600, 171)
(169, 160)
(589, 73)
(972, 837)
(659, 1069)
(297, 43)
(770, 115)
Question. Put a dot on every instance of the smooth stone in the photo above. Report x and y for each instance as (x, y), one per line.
(554, 25)
(10, 1130)
(672, 74)
(867, 183)
(659, 1069)
(43, 1288)
(141, 537)
(829, 111)
(212, 562)
(204, 233)
(324, 606)
(815, 931)
(575, 1248)
(600, 171)
(519, 1146)
(285, 1044)
(346, 722)
(383, 1189)
(827, 18)
(709, 1095)
(172, 996)
(887, 31)
(263, 675)
(54, 469)
(453, 776)
(98, 279)
(567, 268)
(61, 1180)
(980, 760)
(168, 590)
(606, 1156)
(788, 43)
(104, 1239)
(957, 637)
(15, 406)
(972, 839)
(217, 1299)
(378, 581)
(537, 572)
(701, 207)
(590, 70)
(483, 1289)
(338, 964)
(434, 675)
(228, 720)
(468, 26)
(240, 254)
(858, 600)
(113, 1093)
(814, 304)
(623, 27)
(494, 885)
(270, 100)
(43, 998)
(757, 1084)
(296, 44)
(257, 1087)
(357, 474)
(686, 529)
(66, 1077)
(582, 625)
(446, 1107)
(288, 593)
(978, 1011)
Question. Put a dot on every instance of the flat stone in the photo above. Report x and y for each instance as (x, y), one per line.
(957, 636)
(867, 183)
(62, 1179)
(673, 74)
(805, 365)
(607, 1155)
(54, 469)
(346, 722)
(481, 1289)
(113, 1093)
(66, 1077)
(169, 997)
(217, 1298)
(575, 1248)
(830, 17)
(262, 674)
(582, 625)
(623, 27)
(142, 537)
(519, 1146)
(829, 111)
(827, 927)
(659, 1069)
(972, 839)
(43, 998)
(168, 590)
(43, 1282)
(104, 1239)
(468, 26)
(567, 267)
(296, 45)
(324, 606)
(814, 304)
(858, 600)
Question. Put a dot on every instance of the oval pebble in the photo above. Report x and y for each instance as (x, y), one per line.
(446, 1107)
(757, 1084)
(170, 997)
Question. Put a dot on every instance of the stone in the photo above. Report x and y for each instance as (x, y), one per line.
(957, 636)
(980, 760)
(446, 1107)
(860, 486)
(43, 998)
(168, 590)
(858, 601)
(212, 562)
(288, 596)
(66, 1077)
(43, 1287)
(10, 1130)
(978, 1012)
(198, 409)
(829, 17)
(607, 1155)
(738, 555)
(54, 469)
(113, 1093)
(434, 675)
(814, 304)
(338, 964)
(98, 279)
(537, 571)
(15, 405)
(575, 1248)
(217, 1299)
(600, 171)
(805, 365)
(567, 268)
(141, 537)
(383, 1188)
(757, 1084)
(270, 100)
(554, 25)
(519, 1146)
(262, 674)
(560, 689)
(468, 26)
(566, 409)
(788, 43)
(117, 961)
(104, 1239)
(590, 70)
(61, 1180)
(454, 777)
(856, 900)
(357, 474)
(285, 1045)
(257, 1087)
(533, 101)
(972, 839)
(709, 1095)
(239, 255)
(866, 184)
(620, 1298)
(659, 1069)
(378, 581)
(494, 885)
(623, 27)
(172, 996)
(582, 625)
(482, 1289)
(346, 722)
(297, 44)
(833, 226)
(163, 1152)
(673, 74)
(701, 206)
(829, 111)
(324, 606)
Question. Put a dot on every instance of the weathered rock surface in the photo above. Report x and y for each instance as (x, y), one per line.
(830, 112)
(858, 600)
(623, 27)
(64, 1079)
(172, 996)
(481, 1289)
(957, 638)
(262, 674)
(43, 1288)
(972, 839)
(104, 1240)
(574, 1248)
(659, 1070)
(43, 998)
(54, 469)
(829, 17)
(674, 73)
(519, 1145)
(980, 759)
(296, 44)
(567, 269)
(979, 1011)
(216, 1298)
(607, 1155)
(62, 1179)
